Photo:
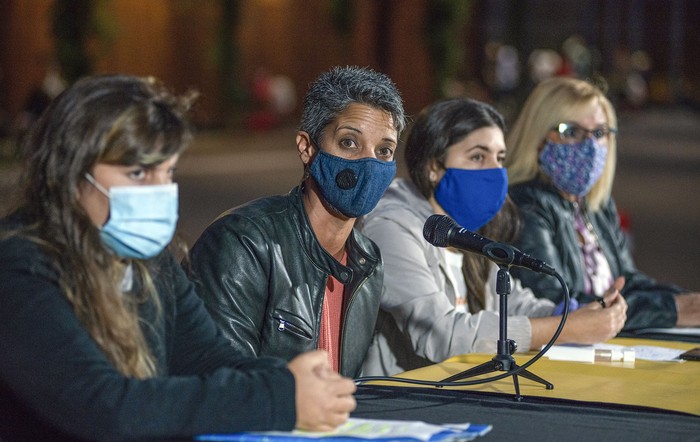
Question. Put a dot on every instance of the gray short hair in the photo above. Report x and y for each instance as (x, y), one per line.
(333, 91)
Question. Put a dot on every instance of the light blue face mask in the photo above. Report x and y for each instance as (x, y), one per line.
(142, 219)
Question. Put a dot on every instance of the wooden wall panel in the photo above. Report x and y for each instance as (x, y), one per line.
(25, 52)
(176, 40)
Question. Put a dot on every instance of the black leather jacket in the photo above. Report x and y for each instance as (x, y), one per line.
(549, 234)
(262, 275)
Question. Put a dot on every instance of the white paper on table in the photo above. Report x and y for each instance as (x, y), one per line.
(584, 353)
(364, 430)
(651, 352)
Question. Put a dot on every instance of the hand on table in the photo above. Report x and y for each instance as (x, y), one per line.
(324, 399)
(593, 323)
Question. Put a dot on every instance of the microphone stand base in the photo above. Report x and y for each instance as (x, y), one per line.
(503, 361)
(500, 363)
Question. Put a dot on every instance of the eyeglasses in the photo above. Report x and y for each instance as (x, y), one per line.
(572, 132)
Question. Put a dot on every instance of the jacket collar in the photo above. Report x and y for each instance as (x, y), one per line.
(403, 194)
(403, 199)
(360, 256)
(540, 185)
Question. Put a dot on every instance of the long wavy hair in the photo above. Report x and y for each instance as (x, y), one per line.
(118, 120)
(553, 101)
(437, 128)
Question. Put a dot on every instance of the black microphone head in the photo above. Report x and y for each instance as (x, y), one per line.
(437, 229)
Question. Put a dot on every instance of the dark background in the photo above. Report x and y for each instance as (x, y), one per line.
(235, 52)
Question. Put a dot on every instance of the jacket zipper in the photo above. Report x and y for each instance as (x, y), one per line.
(345, 322)
(286, 326)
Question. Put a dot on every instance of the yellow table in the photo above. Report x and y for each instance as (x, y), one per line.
(665, 385)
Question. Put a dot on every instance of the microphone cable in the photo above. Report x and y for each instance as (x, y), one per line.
(363, 379)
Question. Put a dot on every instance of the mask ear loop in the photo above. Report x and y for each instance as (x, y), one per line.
(307, 166)
(435, 165)
(97, 185)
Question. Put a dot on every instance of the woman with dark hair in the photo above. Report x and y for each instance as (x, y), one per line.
(101, 332)
(439, 302)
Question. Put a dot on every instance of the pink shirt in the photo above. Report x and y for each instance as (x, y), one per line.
(332, 318)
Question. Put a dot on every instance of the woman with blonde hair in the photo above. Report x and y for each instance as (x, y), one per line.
(561, 168)
(102, 335)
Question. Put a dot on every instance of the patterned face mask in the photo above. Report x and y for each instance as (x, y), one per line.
(574, 168)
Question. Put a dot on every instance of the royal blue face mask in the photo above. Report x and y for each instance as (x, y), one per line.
(472, 197)
(574, 168)
(353, 187)
(142, 219)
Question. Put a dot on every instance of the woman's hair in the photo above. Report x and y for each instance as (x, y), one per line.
(557, 100)
(117, 120)
(333, 91)
(437, 128)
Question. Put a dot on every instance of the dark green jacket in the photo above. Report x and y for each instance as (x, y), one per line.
(549, 234)
(57, 384)
(262, 275)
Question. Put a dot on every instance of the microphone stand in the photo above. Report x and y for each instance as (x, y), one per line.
(503, 361)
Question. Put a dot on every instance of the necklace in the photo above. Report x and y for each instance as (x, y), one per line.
(598, 276)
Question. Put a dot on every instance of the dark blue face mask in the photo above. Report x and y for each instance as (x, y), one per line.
(472, 197)
(352, 187)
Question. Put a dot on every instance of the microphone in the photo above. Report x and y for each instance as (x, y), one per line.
(443, 231)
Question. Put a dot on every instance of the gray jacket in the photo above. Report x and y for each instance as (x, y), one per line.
(418, 324)
(262, 275)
